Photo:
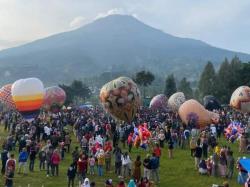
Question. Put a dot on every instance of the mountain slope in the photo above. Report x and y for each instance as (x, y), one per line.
(112, 43)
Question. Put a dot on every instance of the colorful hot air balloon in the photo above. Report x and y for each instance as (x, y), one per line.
(159, 102)
(121, 98)
(240, 99)
(192, 112)
(54, 98)
(5, 96)
(176, 100)
(211, 103)
(28, 95)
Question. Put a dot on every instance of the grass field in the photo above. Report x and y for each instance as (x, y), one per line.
(177, 172)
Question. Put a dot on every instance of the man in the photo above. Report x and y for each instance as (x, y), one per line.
(146, 164)
(4, 158)
(197, 154)
(22, 161)
(154, 164)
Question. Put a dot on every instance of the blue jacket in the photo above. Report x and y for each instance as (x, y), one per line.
(154, 162)
(23, 156)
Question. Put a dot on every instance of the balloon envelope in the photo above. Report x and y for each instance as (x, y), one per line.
(211, 103)
(159, 102)
(5, 96)
(54, 98)
(121, 98)
(176, 100)
(28, 95)
(192, 110)
(240, 99)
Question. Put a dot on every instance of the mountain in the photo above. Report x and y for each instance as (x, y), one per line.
(113, 43)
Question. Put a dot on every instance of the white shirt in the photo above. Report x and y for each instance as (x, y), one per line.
(47, 130)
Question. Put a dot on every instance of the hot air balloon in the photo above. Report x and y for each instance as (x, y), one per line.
(54, 98)
(159, 102)
(121, 98)
(5, 96)
(192, 112)
(211, 103)
(28, 95)
(240, 99)
(176, 100)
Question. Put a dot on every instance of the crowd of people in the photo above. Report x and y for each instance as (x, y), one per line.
(46, 140)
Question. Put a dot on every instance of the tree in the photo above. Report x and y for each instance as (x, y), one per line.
(207, 81)
(144, 79)
(185, 87)
(170, 86)
(76, 91)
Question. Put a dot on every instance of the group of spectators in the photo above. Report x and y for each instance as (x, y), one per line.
(46, 140)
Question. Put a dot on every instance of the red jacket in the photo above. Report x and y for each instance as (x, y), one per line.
(157, 152)
(55, 158)
(82, 165)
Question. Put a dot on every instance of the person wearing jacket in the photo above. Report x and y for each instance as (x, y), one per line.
(22, 161)
(55, 161)
(71, 175)
(4, 158)
(154, 164)
(32, 158)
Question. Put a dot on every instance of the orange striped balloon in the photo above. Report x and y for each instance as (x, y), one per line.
(28, 95)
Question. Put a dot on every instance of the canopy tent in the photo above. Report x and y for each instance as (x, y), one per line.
(245, 163)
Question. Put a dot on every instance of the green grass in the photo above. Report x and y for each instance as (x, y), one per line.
(177, 172)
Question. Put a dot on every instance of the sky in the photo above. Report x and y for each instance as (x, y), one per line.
(221, 23)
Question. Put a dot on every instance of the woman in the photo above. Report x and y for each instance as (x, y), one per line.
(55, 161)
(137, 168)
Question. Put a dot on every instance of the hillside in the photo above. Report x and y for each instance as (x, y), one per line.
(113, 43)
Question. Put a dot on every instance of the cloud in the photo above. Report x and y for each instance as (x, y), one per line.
(110, 12)
(78, 22)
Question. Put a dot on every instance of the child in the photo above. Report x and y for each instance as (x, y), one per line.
(92, 165)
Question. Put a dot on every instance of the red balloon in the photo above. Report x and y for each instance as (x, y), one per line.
(6, 97)
(54, 96)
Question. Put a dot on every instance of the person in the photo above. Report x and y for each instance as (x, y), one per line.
(157, 151)
(49, 153)
(71, 173)
(22, 161)
(202, 167)
(154, 164)
(9, 175)
(32, 158)
(55, 161)
(11, 162)
(131, 183)
(137, 169)
(4, 158)
(108, 160)
(222, 163)
(92, 184)
(82, 167)
(118, 161)
(86, 183)
(109, 183)
(121, 184)
(100, 162)
(125, 164)
(243, 143)
(92, 165)
(146, 165)
(230, 164)
(42, 159)
(192, 145)
(170, 148)
(197, 154)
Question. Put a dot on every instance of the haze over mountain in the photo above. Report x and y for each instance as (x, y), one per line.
(114, 43)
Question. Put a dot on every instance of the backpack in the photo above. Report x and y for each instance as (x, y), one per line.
(11, 163)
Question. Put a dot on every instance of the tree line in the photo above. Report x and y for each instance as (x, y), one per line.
(221, 83)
